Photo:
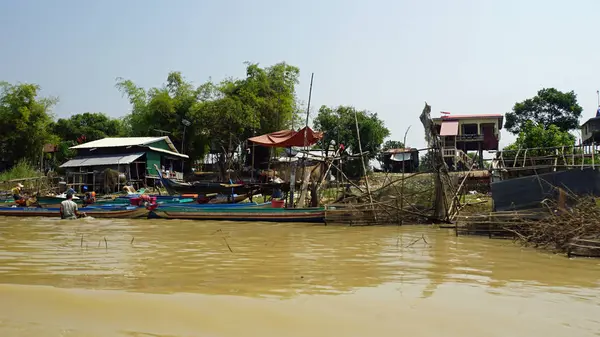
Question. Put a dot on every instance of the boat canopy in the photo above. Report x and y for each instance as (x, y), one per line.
(288, 138)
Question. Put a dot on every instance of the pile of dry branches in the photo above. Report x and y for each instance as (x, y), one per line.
(563, 226)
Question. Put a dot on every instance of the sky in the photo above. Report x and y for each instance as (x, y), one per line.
(388, 57)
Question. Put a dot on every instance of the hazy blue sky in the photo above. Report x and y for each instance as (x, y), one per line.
(389, 57)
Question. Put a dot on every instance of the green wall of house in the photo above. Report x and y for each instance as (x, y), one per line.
(161, 144)
(152, 158)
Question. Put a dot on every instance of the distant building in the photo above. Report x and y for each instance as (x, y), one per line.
(400, 160)
(133, 157)
(463, 133)
(590, 130)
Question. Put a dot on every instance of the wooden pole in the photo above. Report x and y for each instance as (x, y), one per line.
(363, 161)
(403, 172)
(304, 186)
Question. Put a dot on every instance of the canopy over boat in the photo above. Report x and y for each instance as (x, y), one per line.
(288, 138)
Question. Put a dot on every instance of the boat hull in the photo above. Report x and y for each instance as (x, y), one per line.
(241, 214)
(124, 213)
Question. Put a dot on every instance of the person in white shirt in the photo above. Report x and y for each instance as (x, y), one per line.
(68, 208)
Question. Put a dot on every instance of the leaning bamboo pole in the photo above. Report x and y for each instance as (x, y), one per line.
(362, 160)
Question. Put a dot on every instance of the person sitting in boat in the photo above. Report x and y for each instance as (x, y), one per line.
(145, 200)
(128, 189)
(68, 208)
(16, 192)
(89, 198)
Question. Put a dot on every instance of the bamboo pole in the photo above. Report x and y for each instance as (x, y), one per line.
(363, 162)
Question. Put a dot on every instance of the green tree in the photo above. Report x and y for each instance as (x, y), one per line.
(426, 162)
(25, 120)
(339, 126)
(392, 144)
(270, 92)
(222, 115)
(535, 135)
(548, 107)
(164, 109)
(85, 127)
(88, 127)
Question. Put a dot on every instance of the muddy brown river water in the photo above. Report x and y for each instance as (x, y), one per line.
(96, 277)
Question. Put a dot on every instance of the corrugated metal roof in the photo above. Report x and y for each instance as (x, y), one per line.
(402, 150)
(473, 116)
(401, 156)
(124, 141)
(103, 160)
(177, 154)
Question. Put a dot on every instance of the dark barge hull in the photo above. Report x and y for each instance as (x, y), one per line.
(529, 192)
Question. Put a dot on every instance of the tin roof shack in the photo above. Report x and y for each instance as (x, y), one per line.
(590, 131)
(463, 133)
(401, 160)
(133, 157)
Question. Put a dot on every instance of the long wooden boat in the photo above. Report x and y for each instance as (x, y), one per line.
(312, 215)
(124, 212)
(200, 187)
(222, 207)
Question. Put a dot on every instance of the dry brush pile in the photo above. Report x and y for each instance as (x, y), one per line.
(562, 227)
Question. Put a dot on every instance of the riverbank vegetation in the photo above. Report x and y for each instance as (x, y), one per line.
(214, 116)
(21, 170)
(544, 120)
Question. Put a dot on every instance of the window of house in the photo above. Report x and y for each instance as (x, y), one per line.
(470, 129)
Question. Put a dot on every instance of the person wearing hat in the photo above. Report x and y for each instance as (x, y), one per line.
(16, 192)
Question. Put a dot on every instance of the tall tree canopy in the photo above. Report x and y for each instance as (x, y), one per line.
(222, 115)
(25, 121)
(548, 107)
(392, 144)
(340, 126)
(535, 135)
(87, 127)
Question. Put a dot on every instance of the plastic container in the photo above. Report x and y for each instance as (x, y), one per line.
(135, 201)
(277, 203)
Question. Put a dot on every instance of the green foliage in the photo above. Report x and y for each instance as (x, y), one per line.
(426, 162)
(548, 107)
(340, 126)
(25, 121)
(91, 126)
(20, 170)
(392, 144)
(534, 135)
(222, 115)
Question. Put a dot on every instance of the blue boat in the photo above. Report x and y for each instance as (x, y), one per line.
(54, 212)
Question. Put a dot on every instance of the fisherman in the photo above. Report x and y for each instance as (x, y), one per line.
(68, 208)
(90, 198)
(16, 192)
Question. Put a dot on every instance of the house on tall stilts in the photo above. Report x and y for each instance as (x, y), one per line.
(461, 134)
